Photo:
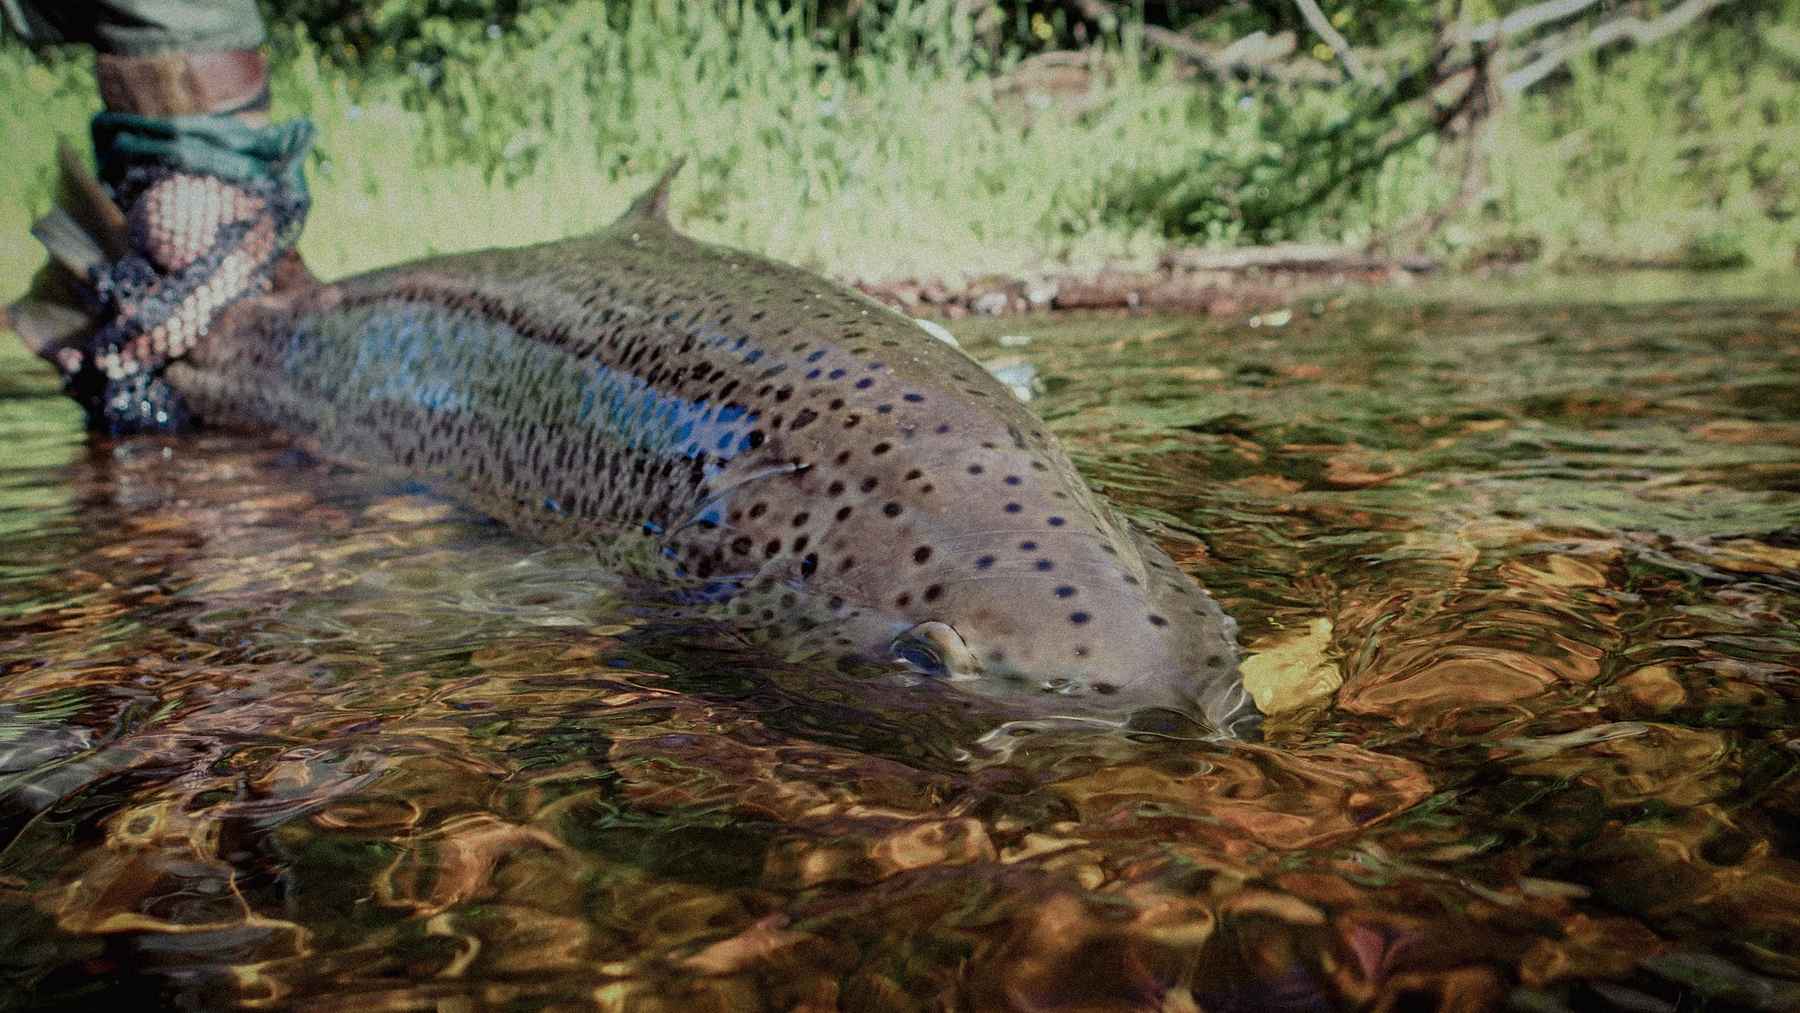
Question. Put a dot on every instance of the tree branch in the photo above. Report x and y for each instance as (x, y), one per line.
(1473, 178)
(1223, 65)
(1367, 157)
(1636, 30)
(1521, 21)
(1321, 25)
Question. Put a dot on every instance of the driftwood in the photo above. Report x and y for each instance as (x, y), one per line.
(1300, 258)
(1213, 282)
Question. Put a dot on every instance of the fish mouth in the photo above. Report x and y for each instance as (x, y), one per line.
(1241, 726)
(1151, 721)
(1235, 714)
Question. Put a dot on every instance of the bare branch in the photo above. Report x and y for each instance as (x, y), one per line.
(1636, 30)
(1320, 24)
(1238, 60)
(1521, 21)
(1477, 116)
(1177, 43)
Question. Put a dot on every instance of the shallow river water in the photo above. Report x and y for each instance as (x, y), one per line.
(1520, 586)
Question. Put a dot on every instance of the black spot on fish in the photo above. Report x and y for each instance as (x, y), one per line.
(1078, 618)
(984, 562)
(922, 554)
(891, 509)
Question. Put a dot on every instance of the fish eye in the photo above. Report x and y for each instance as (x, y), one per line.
(919, 656)
(936, 649)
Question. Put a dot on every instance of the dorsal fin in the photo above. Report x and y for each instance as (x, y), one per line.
(653, 205)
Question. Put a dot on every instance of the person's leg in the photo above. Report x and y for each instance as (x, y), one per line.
(139, 27)
(213, 196)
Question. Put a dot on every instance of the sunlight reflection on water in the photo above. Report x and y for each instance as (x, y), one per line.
(1524, 583)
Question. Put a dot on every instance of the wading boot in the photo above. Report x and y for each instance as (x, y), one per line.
(199, 203)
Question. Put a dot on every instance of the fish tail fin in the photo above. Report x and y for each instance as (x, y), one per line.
(84, 232)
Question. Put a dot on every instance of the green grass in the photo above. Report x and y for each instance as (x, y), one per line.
(915, 159)
(1688, 151)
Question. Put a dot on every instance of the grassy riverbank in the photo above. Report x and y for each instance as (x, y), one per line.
(924, 155)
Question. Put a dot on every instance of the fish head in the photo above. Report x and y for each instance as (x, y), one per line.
(1053, 607)
(1123, 657)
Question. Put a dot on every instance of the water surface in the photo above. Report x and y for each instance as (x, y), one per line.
(1522, 582)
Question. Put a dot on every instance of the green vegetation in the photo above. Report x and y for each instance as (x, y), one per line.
(923, 142)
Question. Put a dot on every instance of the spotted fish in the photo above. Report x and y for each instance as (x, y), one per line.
(769, 446)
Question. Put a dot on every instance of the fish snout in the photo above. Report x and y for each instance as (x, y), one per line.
(1182, 704)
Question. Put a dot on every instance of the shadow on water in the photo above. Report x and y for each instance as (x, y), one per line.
(1519, 586)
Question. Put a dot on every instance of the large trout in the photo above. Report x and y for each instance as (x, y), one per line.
(779, 449)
